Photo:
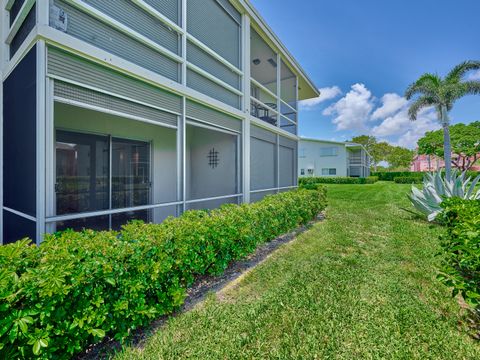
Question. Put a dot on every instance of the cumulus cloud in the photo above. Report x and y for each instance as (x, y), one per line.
(474, 76)
(352, 112)
(391, 103)
(405, 131)
(326, 93)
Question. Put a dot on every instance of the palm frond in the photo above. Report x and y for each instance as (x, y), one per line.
(419, 104)
(427, 84)
(472, 87)
(459, 71)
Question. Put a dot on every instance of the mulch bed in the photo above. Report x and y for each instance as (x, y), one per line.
(197, 293)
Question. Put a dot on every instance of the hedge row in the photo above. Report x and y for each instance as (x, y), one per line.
(307, 182)
(77, 287)
(461, 246)
(408, 180)
(391, 175)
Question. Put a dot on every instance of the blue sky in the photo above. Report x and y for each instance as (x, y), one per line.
(364, 53)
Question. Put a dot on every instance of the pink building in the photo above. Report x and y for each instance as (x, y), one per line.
(425, 163)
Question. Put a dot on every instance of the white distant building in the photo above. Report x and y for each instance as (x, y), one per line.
(332, 158)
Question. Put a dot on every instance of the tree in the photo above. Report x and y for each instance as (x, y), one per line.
(378, 151)
(399, 157)
(431, 90)
(465, 142)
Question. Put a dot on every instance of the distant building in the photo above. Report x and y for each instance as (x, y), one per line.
(332, 158)
(424, 163)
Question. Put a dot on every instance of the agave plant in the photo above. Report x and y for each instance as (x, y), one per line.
(436, 188)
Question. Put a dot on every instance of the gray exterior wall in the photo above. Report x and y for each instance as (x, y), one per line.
(142, 71)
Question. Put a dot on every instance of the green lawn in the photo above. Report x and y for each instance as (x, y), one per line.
(359, 285)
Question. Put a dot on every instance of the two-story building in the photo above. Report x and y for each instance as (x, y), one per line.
(332, 158)
(140, 109)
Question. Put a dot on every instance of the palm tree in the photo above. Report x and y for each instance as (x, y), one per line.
(441, 93)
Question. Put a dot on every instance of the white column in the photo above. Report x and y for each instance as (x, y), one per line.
(246, 108)
(4, 21)
(41, 124)
(43, 12)
(50, 176)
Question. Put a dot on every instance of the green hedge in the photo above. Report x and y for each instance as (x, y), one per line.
(408, 180)
(77, 287)
(391, 175)
(309, 182)
(461, 246)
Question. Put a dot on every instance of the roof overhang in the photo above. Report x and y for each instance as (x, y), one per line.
(306, 87)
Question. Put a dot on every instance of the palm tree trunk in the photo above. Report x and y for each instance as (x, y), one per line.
(447, 147)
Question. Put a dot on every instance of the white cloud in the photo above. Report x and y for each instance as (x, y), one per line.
(326, 93)
(391, 103)
(474, 76)
(405, 131)
(352, 112)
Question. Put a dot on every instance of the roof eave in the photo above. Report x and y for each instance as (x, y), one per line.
(307, 88)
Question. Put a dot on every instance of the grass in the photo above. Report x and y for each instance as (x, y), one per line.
(359, 285)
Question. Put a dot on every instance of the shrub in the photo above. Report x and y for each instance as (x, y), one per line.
(408, 180)
(461, 245)
(76, 287)
(310, 182)
(390, 176)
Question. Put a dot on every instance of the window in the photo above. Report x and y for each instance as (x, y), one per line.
(95, 172)
(329, 151)
(302, 172)
(302, 153)
(327, 171)
(310, 171)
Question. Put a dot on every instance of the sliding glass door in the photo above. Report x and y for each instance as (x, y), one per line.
(95, 173)
(131, 182)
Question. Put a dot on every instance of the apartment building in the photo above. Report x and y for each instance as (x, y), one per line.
(140, 109)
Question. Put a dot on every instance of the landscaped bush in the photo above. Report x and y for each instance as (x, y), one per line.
(310, 182)
(77, 287)
(461, 245)
(408, 180)
(391, 175)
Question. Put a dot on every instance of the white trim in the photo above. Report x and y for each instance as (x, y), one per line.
(216, 80)
(126, 98)
(260, 123)
(40, 134)
(1, 150)
(155, 13)
(213, 198)
(111, 112)
(274, 189)
(22, 15)
(19, 213)
(124, 29)
(9, 4)
(246, 130)
(50, 195)
(263, 104)
(76, 216)
(263, 88)
(43, 12)
(183, 10)
(212, 53)
(184, 152)
(26, 46)
(288, 105)
(206, 125)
